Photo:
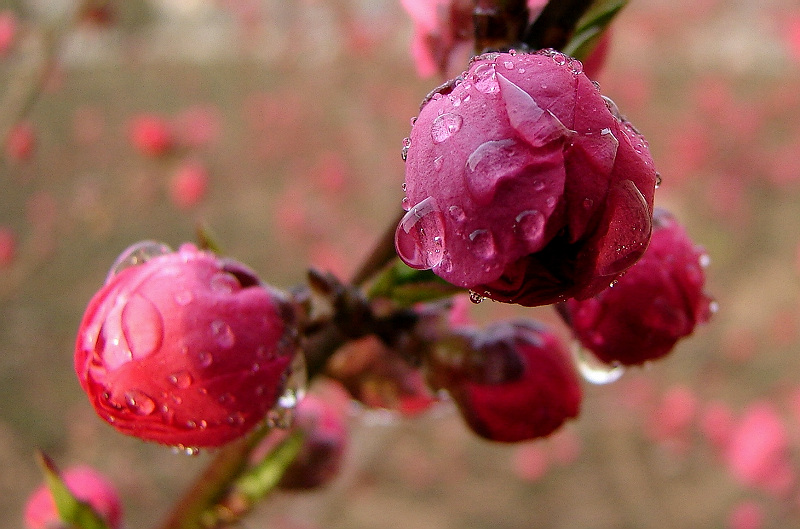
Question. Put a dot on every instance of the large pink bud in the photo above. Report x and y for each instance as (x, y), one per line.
(184, 348)
(524, 184)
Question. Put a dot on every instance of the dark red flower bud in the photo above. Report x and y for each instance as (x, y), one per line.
(512, 382)
(184, 348)
(324, 444)
(524, 184)
(659, 300)
(87, 485)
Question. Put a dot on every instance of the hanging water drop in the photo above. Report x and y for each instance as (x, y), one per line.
(592, 369)
(475, 297)
(419, 237)
(137, 254)
(282, 414)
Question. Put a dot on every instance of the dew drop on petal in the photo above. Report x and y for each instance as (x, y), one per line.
(224, 283)
(180, 379)
(529, 226)
(142, 326)
(139, 402)
(456, 213)
(491, 162)
(205, 359)
(482, 244)
(184, 298)
(704, 260)
(406, 204)
(223, 334)
(475, 297)
(419, 236)
(137, 254)
(445, 126)
(593, 370)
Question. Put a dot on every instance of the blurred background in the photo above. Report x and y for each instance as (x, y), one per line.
(279, 125)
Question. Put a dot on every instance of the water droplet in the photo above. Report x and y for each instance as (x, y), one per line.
(704, 260)
(418, 238)
(538, 185)
(139, 402)
(406, 146)
(142, 326)
(483, 244)
(403, 187)
(713, 307)
(550, 202)
(576, 66)
(593, 370)
(475, 297)
(521, 70)
(223, 334)
(137, 254)
(406, 204)
(445, 126)
(255, 368)
(191, 424)
(530, 226)
(588, 203)
(204, 358)
(559, 58)
(184, 298)
(486, 79)
(185, 450)
(509, 65)
(235, 419)
(282, 414)
(456, 213)
(181, 379)
(226, 398)
(512, 52)
(456, 101)
(611, 106)
(491, 162)
(224, 283)
(438, 162)
(413, 121)
(658, 180)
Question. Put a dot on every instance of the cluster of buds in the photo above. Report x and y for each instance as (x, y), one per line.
(524, 184)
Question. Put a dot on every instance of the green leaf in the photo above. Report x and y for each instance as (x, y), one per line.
(591, 27)
(71, 510)
(261, 479)
(406, 286)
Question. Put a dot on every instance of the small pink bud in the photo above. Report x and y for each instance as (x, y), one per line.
(21, 142)
(87, 485)
(188, 185)
(151, 135)
(512, 382)
(8, 31)
(524, 184)
(8, 246)
(184, 348)
(657, 302)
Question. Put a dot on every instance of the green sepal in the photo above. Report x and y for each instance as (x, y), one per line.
(71, 510)
(591, 27)
(265, 476)
(406, 286)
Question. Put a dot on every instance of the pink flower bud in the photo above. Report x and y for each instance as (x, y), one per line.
(87, 485)
(151, 135)
(657, 302)
(524, 184)
(324, 444)
(512, 382)
(189, 184)
(184, 348)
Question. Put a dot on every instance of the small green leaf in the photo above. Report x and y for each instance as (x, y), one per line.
(261, 479)
(406, 286)
(71, 510)
(591, 27)
(206, 240)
